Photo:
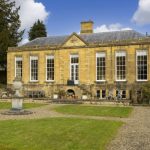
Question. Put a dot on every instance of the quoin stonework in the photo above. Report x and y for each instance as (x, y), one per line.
(88, 63)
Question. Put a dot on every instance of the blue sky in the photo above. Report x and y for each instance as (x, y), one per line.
(66, 15)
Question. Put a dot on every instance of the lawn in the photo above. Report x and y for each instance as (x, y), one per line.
(7, 105)
(57, 134)
(95, 110)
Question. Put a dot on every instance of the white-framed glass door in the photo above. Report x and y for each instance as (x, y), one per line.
(74, 69)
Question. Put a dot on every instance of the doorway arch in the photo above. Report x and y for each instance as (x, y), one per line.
(70, 93)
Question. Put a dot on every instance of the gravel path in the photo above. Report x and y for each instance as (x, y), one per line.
(47, 112)
(134, 135)
(39, 112)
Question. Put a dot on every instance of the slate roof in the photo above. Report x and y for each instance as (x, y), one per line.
(51, 40)
(112, 36)
(102, 37)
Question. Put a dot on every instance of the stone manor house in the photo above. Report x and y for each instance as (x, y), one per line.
(95, 64)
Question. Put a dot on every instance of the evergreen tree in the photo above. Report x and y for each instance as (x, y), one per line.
(37, 30)
(9, 28)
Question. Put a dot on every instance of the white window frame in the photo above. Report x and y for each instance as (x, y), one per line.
(143, 52)
(120, 53)
(34, 58)
(50, 57)
(101, 92)
(74, 56)
(17, 59)
(101, 54)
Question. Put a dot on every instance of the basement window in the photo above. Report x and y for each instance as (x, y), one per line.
(98, 93)
(103, 94)
(123, 94)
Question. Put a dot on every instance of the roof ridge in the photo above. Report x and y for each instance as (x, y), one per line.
(49, 37)
(112, 32)
(57, 36)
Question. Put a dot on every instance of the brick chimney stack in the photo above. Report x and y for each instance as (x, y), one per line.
(86, 27)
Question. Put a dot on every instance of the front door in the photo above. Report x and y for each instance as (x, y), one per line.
(74, 69)
(74, 73)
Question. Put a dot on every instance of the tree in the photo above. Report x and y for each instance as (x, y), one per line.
(37, 30)
(10, 23)
(146, 92)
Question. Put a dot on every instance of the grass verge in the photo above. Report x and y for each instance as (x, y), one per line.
(95, 110)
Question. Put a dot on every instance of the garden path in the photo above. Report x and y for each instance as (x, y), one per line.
(135, 134)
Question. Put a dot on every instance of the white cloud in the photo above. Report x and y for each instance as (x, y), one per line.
(142, 14)
(111, 27)
(31, 11)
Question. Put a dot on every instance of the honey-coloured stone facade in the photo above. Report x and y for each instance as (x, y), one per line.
(76, 44)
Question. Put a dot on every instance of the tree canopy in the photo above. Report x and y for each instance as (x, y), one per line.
(10, 35)
(37, 30)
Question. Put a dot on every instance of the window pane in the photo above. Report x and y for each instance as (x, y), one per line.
(141, 65)
(121, 65)
(19, 67)
(50, 68)
(100, 67)
(34, 68)
(123, 94)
